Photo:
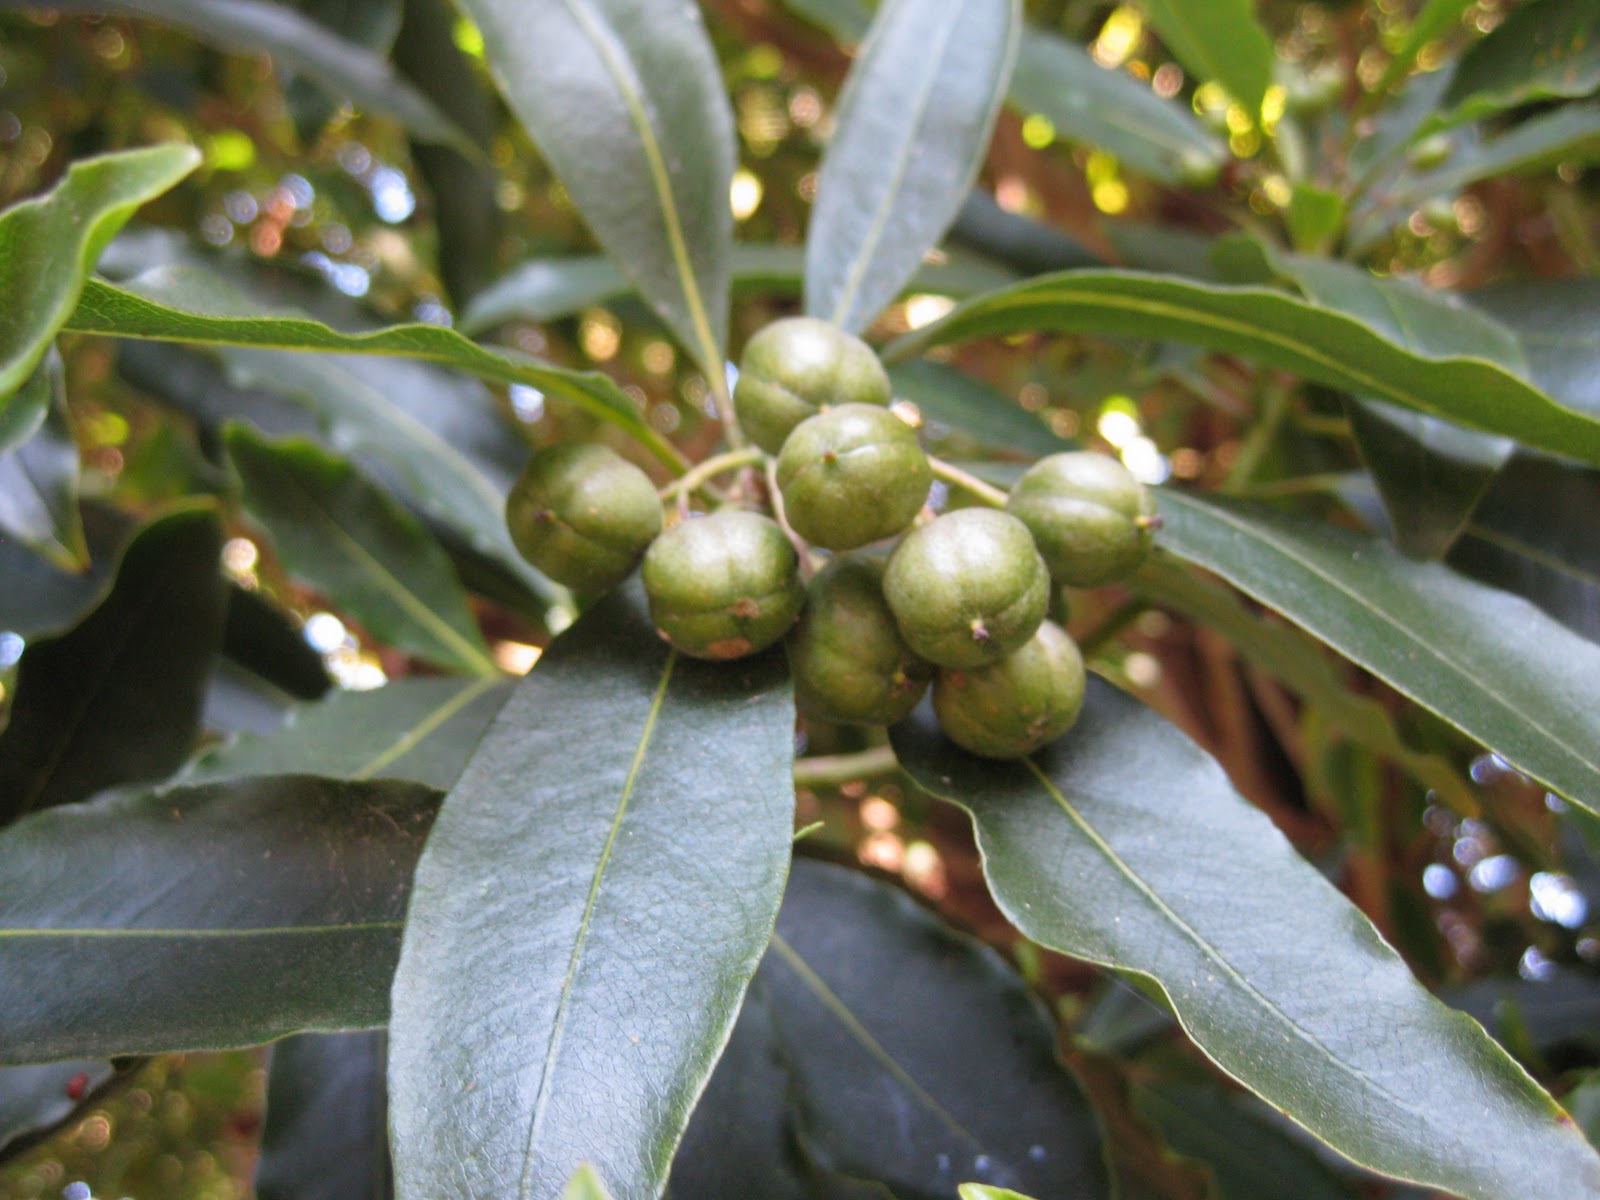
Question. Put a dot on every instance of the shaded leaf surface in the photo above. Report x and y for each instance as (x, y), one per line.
(1125, 844)
(360, 548)
(910, 132)
(48, 245)
(326, 1134)
(1220, 40)
(39, 478)
(626, 102)
(1548, 48)
(39, 1096)
(204, 918)
(117, 698)
(586, 877)
(1488, 662)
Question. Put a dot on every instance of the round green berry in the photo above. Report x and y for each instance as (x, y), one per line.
(968, 588)
(796, 367)
(1093, 521)
(583, 515)
(1014, 706)
(849, 662)
(723, 586)
(852, 475)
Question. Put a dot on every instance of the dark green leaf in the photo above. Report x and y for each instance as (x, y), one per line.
(366, 553)
(1111, 110)
(344, 68)
(326, 1135)
(48, 245)
(39, 597)
(1435, 20)
(39, 477)
(1025, 245)
(1543, 49)
(1124, 843)
(911, 130)
(626, 101)
(846, 20)
(1279, 330)
(207, 917)
(370, 25)
(1555, 323)
(418, 729)
(268, 640)
(572, 858)
(117, 698)
(1560, 1011)
(32, 1098)
(868, 993)
(1489, 663)
(1583, 1102)
(946, 394)
(1220, 40)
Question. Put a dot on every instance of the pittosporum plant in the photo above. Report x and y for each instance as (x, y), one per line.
(932, 555)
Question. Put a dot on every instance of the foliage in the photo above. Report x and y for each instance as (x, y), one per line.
(298, 749)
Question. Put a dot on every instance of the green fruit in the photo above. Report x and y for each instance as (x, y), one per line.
(1093, 521)
(968, 588)
(583, 515)
(723, 586)
(852, 475)
(849, 662)
(796, 367)
(1012, 707)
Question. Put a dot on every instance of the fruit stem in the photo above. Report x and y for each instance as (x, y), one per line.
(831, 770)
(802, 548)
(988, 493)
(701, 473)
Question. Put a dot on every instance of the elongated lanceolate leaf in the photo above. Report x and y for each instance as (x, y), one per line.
(326, 1134)
(48, 245)
(592, 903)
(1557, 324)
(1124, 843)
(39, 477)
(203, 918)
(1490, 663)
(366, 553)
(418, 729)
(1278, 330)
(911, 131)
(342, 67)
(116, 699)
(1219, 40)
(1434, 20)
(626, 101)
(1543, 49)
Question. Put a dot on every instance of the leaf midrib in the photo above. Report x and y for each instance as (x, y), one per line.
(426, 727)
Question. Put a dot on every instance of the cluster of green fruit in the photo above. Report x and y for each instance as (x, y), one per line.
(960, 603)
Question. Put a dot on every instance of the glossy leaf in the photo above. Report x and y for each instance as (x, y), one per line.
(868, 992)
(911, 129)
(626, 102)
(947, 395)
(117, 698)
(268, 640)
(39, 477)
(182, 304)
(587, 878)
(1554, 323)
(1542, 50)
(33, 1098)
(1278, 330)
(345, 68)
(41, 598)
(1489, 663)
(1222, 41)
(337, 531)
(48, 244)
(204, 918)
(1124, 843)
(326, 1132)
(418, 729)
(982, 1191)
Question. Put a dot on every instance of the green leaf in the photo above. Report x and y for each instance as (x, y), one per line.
(868, 992)
(585, 1184)
(344, 68)
(1315, 216)
(1111, 110)
(48, 245)
(1436, 19)
(588, 879)
(1554, 322)
(268, 640)
(326, 1132)
(626, 102)
(982, 1191)
(1489, 663)
(39, 597)
(34, 1098)
(39, 477)
(911, 129)
(182, 304)
(1543, 50)
(1124, 844)
(948, 395)
(846, 20)
(418, 729)
(208, 917)
(117, 698)
(1280, 331)
(1221, 40)
(359, 548)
